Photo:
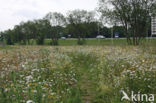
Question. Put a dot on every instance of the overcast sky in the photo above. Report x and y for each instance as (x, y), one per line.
(12, 12)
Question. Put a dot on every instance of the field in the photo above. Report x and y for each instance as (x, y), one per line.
(94, 42)
(92, 73)
(91, 42)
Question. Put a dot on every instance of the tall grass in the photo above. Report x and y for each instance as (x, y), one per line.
(76, 74)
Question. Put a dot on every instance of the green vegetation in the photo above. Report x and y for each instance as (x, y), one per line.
(134, 15)
(76, 74)
(6, 47)
(96, 42)
(129, 19)
(34, 71)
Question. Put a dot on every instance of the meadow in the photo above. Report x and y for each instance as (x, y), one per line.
(93, 73)
(88, 41)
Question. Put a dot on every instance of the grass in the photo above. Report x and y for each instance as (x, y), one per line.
(6, 47)
(94, 73)
(99, 42)
(95, 42)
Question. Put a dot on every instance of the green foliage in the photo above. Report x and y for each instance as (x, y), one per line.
(78, 24)
(54, 42)
(66, 75)
(133, 15)
(9, 37)
(81, 41)
(40, 39)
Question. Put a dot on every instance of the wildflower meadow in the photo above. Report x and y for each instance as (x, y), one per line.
(76, 74)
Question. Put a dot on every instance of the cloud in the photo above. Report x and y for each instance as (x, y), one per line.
(28, 14)
(14, 11)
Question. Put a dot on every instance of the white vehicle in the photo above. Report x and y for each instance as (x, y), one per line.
(100, 37)
(63, 38)
(116, 36)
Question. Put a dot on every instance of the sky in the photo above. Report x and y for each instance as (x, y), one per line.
(12, 12)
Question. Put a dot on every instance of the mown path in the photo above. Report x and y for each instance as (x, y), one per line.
(88, 80)
(87, 87)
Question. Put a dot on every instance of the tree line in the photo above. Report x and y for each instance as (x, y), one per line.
(133, 15)
(79, 24)
(130, 18)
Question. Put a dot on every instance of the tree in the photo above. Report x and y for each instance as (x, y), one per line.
(134, 15)
(22, 33)
(26, 31)
(17, 34)
(78, 21)
(105, 31)
(57, 22)
(56, 19)
(120, 30)
(1, 38)
(91, 29)
(8, 35)
(42, 27)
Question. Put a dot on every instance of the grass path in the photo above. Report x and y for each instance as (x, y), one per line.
(87, 82)
(87, 87)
